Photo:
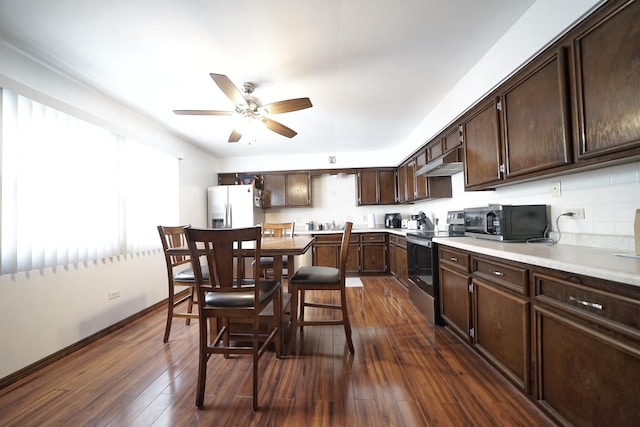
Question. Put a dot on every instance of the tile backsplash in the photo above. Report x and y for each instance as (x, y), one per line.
(609, 197)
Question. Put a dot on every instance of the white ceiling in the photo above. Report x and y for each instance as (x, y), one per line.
(373, 69)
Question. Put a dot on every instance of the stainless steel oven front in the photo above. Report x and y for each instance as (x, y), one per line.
(423, 275)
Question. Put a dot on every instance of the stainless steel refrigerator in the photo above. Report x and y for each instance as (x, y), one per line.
(234, 206)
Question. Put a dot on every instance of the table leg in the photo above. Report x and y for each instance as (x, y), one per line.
(277, 276)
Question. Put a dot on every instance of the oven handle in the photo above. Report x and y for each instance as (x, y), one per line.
(419, 241)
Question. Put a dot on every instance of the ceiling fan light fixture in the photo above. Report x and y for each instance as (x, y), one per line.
(250, 109)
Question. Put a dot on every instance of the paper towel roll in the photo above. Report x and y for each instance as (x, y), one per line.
(372, 220)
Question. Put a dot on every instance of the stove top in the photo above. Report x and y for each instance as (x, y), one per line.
(430, 234)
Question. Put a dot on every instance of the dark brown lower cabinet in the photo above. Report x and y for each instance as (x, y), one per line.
(502, 331)
(455, 301)
(568, 341)
(586, 376)
(367, 252)
(398, 258)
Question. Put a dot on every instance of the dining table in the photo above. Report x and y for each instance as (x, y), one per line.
(278, 248)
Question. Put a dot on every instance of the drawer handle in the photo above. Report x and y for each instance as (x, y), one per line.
(454, 259)
(587, 303)
(497, 273)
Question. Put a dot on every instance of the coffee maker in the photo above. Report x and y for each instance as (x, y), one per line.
(392, 220)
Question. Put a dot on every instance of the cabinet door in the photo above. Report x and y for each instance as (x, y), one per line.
(368, 187)
(398, 263)
(502, 331)
(353, 258)
(452, 138)
(387, 185)
(421, 189)
(373, 258)
(402, 184)
(536, 133)
(298, 189)
(455, 301)
(585, 375)
(411, 180)
(606, 62)
(275, 187)
(482, 145)
(326, 255)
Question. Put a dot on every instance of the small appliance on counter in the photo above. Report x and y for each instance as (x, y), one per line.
(455, 223)
(392, 220)
(507, 223)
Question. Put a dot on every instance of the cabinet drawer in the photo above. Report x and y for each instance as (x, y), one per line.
(398, 240)
(373, 238)
(617, 311)
(459, 260)
(328, 238)
(510, 277)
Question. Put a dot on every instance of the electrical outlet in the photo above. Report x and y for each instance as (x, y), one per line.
(114, 294)
(555, 189)
(577, 213)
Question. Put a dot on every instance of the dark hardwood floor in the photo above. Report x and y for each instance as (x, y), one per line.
(404, 373)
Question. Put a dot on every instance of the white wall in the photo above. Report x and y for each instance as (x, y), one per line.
(609, 197)
(44, 312)
(543, 23)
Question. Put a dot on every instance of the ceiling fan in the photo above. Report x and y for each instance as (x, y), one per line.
(250, 107)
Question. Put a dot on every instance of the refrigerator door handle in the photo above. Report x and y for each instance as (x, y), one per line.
(230, 222)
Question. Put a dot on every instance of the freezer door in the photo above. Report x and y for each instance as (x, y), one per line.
(217, 207)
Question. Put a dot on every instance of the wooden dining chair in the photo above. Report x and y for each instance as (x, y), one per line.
(180, 280)
(227, 294)
(320, 278)
(271, 229)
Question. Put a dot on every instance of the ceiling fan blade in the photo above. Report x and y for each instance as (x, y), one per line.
(229, 89)
(279, 128)
(203, 112)
(235, 136)
(288, 105)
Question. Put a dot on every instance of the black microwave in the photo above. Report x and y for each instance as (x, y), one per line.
(508, 223)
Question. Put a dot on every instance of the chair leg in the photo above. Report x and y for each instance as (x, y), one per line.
(202, 365)
(256, 358)
(190, 304)
(345, 319)
(167, 328)
(294, 317)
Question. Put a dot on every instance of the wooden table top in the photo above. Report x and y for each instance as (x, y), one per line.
(271, 246)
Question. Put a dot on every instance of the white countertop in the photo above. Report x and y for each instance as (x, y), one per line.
(595, 262)
(398, 231)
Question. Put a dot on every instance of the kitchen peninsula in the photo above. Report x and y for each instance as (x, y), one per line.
(561, 322)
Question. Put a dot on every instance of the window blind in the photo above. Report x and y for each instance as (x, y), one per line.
(73, 192)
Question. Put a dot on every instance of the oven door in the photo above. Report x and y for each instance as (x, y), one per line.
(420, 263)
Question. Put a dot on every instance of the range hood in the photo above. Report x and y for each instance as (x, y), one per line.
(447, 165)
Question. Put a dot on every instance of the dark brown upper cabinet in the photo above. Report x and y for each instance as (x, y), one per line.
(523, 130)
(534, 109)
(376, 187)
(606, 69)
(291, 189)
(482, 154)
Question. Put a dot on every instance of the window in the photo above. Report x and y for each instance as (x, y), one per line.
(73, 192)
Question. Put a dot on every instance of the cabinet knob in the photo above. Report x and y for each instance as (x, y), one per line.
(454, 259)
(497, 273)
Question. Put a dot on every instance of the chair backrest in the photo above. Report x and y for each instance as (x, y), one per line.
(173, 237)
(344, 249)
(278, 229)
(224, 251)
